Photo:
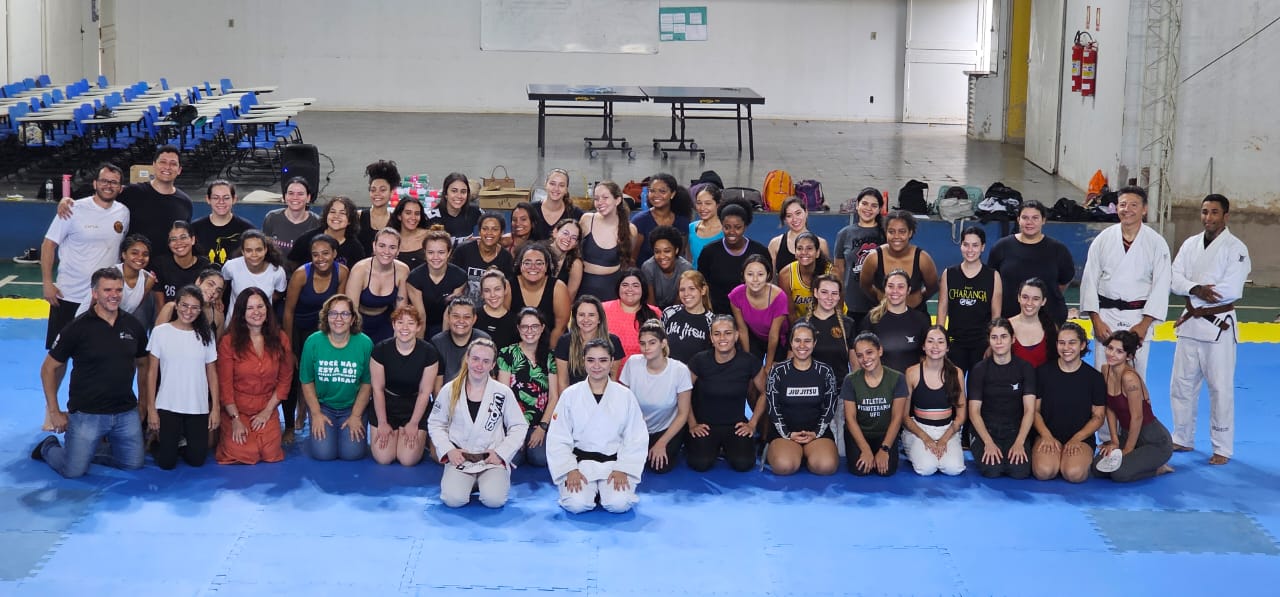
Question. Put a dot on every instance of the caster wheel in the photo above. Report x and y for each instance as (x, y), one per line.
(702, 157)
(594, 154)
(655, 146)
(664, 155)
(626, 144)
(693, 145)
(631, 155)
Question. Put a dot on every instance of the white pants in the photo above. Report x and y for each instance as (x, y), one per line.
(456, 486)
(924, 462)
(585, 499)
(1122, 320)
(1214, 362)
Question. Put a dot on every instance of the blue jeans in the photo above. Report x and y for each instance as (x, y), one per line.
(337, 442)
(84, 443)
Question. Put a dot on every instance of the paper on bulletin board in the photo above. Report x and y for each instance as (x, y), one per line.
(682, 23)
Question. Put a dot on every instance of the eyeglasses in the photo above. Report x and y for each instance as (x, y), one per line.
(188, 307)
(339, 315)
(528, 263)
(174, 239)
(532, 327)
(108, 183)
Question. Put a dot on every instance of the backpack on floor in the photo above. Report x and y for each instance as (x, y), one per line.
(751, 196)
(810, 191)
(912, 197)
(777, 187)
(1066, 210)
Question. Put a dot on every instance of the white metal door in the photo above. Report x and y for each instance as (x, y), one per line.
(1044, 83)
(944, 39)
(106, 43)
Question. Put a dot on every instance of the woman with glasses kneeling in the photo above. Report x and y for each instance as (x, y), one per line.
(801, 394)
(334, 372)
(598, 441)
(477, 428)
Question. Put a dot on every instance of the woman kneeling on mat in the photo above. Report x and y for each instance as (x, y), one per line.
(478, 434)
(932, 432)
(334, 372)
(877, 402)
(1071, 403)
(255, 370)
(801, 396)
(1144, 443)
(598, 441)
(662, 387)
(725, 381)
(403, 371)
(1002, 404)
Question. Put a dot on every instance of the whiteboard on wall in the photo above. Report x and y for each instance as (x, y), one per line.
(599, 26)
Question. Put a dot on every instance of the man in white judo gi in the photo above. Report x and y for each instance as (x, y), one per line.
(1210, 271)
(597, 441)
(1125, 285)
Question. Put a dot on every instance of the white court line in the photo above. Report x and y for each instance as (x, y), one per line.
(8, 279)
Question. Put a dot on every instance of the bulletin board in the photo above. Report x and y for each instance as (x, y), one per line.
(595, 26)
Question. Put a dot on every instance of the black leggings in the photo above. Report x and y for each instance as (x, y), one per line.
(175, 426)
(853, 453)
(1004, 440)
(673, 450)
(739, 451)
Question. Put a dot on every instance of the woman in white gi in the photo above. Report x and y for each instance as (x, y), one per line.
(598, 441)
(476, 426)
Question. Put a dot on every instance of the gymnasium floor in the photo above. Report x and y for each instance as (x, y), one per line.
(301, 527)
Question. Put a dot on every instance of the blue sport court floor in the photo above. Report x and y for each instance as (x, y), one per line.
(301, 527)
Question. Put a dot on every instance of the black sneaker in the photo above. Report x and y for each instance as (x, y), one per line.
(31, 255)
(38, 452)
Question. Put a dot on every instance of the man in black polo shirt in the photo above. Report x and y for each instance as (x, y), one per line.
(107, 345)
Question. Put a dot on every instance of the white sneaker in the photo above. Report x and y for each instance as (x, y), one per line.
(1111, 462)
(31, 255)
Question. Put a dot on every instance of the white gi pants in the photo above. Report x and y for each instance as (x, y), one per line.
(1214, 362)
(585, 499)
(924, 462)
(1122, 320)
(456, 486)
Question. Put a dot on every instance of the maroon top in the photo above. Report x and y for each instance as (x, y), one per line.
(1120, 404)
(1036, 354)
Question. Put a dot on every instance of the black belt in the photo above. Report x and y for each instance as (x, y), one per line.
(1110, 303)
(594, 456)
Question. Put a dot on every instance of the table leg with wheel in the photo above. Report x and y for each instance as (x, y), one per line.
(542, 128)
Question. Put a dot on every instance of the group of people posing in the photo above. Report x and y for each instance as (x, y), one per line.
(600, 345)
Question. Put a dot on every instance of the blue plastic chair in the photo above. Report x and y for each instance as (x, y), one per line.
(164, 84)
(225, 84)
(102, 82)
(43, 81)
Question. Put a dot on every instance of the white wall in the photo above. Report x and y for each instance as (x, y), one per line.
(1229, 111)
(1091, 127)
(809, 58)
(25, 39)
(64, 52)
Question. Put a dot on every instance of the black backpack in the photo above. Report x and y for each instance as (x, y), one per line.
(912, 197)
(1066, 210)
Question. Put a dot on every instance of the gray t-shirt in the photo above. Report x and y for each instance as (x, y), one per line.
(451, 354)
(282, 232)
(853, 244)
(664, 286)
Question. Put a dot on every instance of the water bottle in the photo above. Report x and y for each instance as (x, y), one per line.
(644, 198)
(48, 190)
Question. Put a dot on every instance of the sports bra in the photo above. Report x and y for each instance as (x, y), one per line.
(306, 313)
(374, 304)
(546, 304)
(592, 253)
(1036, 354)
(785, 256)
(931, 400)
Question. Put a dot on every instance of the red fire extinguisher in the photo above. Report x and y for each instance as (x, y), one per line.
(1089, 68)
(1077, 52)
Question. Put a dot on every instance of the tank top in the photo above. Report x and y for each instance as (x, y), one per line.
(785, 256)
(968, 305)
(1035, 354)
(413, 258)
(927, 399)
(375, 310)
(592, 253)
(132, 297)
(562, 270)
(802, 295)
(696, 243)
(546, 303)
(914, 283)
(306, 313)
(1120, 405)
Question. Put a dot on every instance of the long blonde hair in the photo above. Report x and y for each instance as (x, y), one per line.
(877, 312)
(700, 282)
(460, 380)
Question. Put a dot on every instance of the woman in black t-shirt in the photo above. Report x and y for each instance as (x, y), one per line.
(689, 323)
(476, 257)
(402, 370)
(1071, 404)
(455, 211)
(900, 328)
(1002, 407)
(436, 282)
(493, 317)
(970, 295)
(725, 381)
(802, 395)
(833, 332)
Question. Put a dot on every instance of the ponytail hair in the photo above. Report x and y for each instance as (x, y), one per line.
(460, 380)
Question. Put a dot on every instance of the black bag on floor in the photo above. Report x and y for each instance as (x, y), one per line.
(912, 197)
(1066, 210)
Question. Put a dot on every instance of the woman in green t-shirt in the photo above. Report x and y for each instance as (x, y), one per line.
(876, 401)
(334, 371)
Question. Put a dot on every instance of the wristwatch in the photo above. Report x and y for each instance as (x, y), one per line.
(543, 425)
(884, 447)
